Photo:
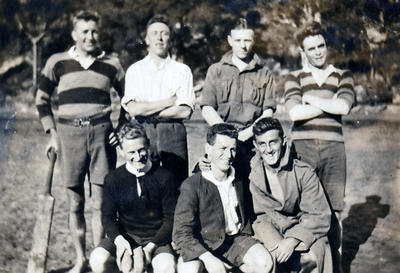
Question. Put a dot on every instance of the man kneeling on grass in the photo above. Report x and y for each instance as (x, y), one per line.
(211, 226)
(293, 215)
(138, 209)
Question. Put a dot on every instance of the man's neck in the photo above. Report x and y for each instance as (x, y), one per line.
(219, 175)
(84, 54)
(158, 60)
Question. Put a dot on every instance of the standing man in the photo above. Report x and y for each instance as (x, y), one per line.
(138, 211)
(238, 90)
(316, 98)
(211, 223)
(292, 212)
(83, 77)
(159, 91)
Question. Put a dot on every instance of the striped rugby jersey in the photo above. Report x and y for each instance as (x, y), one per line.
(339, 84)
(81, 92)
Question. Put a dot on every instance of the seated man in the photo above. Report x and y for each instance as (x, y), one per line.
(211, 224)
(293, 214)
(138, 209)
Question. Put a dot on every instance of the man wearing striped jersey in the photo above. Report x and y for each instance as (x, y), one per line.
(316, 98)
(83, 77)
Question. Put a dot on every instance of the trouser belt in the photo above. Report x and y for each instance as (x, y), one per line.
(84, 121)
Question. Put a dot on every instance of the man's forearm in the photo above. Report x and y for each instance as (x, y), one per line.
(332, 106)
(210, 115)
(176, 112)
(147, 108)
(303, 112)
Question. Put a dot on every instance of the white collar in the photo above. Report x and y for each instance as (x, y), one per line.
(85, 62)
(136, 172)
(319, 75)
(241, 65)
(160, 65)
(210, 177)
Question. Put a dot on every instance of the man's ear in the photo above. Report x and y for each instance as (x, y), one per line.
(229, 38)
(255, 144)
(146, 40)
(73, 35)
(284, 140)
(207, 148)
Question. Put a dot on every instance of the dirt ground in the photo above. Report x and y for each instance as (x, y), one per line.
(371, 218)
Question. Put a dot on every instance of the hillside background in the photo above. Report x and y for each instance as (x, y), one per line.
(363, 36)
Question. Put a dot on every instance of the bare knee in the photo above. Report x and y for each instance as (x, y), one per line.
(76, 197)
(189, 267)
(163, 263)
(257, 260)
(99, 259)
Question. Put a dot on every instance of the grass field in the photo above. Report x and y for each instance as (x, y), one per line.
(371, 220)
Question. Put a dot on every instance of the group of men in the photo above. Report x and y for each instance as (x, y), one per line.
(256, 203)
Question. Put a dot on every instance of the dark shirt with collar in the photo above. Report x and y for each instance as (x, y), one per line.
(145, 218)
(239, 97)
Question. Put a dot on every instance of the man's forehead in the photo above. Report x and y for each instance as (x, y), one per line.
(242, 33)
(158, 26)
(223, 140)
(314, 40)
(268, 135)
(81, 23)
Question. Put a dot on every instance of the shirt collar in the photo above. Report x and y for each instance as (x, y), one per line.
(136, 172)
(85, 62)
(210, 177)
(161, 65)
(255, 61)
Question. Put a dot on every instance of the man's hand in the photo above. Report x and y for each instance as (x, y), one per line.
(204, 164)
(148, 252)
(138, 260)
(212, 263)
(113, 139)
(54, 141)
(122, 246)
(285, 249)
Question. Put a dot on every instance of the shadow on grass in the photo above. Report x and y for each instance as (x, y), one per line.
(359, 225)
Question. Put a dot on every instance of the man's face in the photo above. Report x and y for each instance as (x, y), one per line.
(157, 39)
(136, 152)
(86, 36)
(269, 146)
(315, 49)
(222, 153)
(241, 41)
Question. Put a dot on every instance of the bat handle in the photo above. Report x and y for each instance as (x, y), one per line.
(49, 175)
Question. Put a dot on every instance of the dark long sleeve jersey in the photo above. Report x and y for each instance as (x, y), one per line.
(148, 218)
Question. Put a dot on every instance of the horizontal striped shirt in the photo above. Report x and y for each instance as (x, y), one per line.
(81, 92)
(339, 84)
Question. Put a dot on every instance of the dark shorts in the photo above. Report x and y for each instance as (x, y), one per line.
(85, 150)
(109, 245)
(328, 158)
(234, 248)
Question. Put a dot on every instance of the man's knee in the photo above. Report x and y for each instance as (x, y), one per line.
(76, 197)
(99, 258)
(163, 263)
(97, 196)
(194, 266)
(257, 259)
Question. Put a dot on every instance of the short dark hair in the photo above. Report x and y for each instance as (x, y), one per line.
(309, 29)
(86, 15)
(158, 18)
(221, 129)
(267, 124)
(131, 130)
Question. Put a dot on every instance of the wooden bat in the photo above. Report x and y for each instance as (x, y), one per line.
(41, 232)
